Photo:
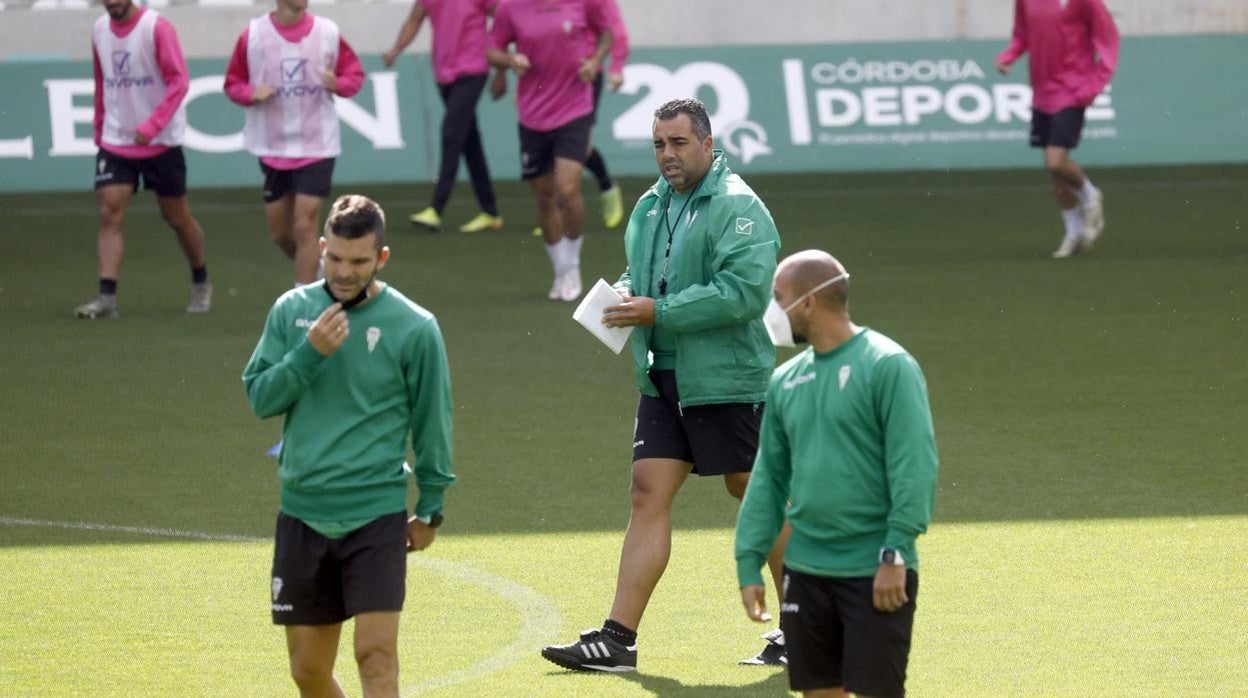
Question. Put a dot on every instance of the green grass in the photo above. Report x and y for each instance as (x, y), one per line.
(1090, 415)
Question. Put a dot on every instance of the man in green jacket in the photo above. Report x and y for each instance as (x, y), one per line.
(354, 366)
(847, 457)
(701, 250)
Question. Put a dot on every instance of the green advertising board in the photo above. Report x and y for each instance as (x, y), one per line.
(843, 107)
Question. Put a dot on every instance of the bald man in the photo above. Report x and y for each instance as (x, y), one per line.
(847, 456)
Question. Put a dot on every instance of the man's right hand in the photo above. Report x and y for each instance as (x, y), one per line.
(754, 598)
(329, 331)
(261, 94)
(520, 64)
(389, 57)
(1003, 68)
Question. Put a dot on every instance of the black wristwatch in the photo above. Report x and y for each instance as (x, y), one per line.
(432, 521)
(890, 556)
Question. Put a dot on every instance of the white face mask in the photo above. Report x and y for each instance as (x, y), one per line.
(779, 328)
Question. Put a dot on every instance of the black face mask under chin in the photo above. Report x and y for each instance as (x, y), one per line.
(349, 304)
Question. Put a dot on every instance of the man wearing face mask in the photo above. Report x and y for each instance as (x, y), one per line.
(354, 366)
(846, 457)
(701, 250)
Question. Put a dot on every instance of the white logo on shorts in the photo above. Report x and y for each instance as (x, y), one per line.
(277, 587)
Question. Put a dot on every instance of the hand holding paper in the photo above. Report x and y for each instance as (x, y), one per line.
(589, 315)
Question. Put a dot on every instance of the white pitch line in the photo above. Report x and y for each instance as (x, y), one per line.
(540, 619)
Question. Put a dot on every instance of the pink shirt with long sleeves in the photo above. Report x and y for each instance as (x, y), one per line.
(348, 76)
(172, 69)
(552, 33)
(1073, 47)
(459, 37)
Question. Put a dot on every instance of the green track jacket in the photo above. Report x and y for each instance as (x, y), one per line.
(719, 283)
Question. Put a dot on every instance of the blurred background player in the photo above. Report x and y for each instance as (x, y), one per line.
(612, 198)
(1073, 46)
(460, 69)
(285, 70)
(139, 120)
(554, 103)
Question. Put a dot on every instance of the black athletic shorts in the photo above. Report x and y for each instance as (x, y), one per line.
(538, 149)
(718, 439)
(1061, 129)
(164, 174)
(321, 581)
(835, 637)
(315, 179)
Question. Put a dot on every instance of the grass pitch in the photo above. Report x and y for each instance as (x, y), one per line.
(1090, 416)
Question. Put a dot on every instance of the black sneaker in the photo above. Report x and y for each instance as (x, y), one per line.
(595, 651)
(774, 654)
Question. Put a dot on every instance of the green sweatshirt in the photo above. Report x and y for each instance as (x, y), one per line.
(344, 442)
(847, 439)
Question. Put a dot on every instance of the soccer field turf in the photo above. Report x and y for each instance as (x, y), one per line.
(1090, 415)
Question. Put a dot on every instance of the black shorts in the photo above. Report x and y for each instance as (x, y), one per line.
(538, 149)
(835, 637)
(315, 179)
(321, 581)
(718, 439)
(164, 174)
(1061, 129)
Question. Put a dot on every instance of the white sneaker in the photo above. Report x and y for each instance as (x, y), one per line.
(556, 288)
(1093, 218)
(101, 307)
(1070, 245)
(201, 298)
(570, 289)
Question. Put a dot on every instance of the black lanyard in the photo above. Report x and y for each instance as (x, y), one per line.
(671, 232)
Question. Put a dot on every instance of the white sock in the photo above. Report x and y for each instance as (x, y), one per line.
(1072, 218)
(574, 251)
(556, 254)
(1087, 191)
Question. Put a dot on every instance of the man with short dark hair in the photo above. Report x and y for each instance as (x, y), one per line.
(701, 250)
(354, 366)
(1074, 51)
(847, 459)
(140, 82)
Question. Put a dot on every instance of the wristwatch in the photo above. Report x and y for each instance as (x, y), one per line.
(890, 556)
(432, 521)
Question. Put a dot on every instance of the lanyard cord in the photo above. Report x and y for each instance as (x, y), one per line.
(671, 232)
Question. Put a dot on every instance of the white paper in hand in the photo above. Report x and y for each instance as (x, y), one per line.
(589, 314)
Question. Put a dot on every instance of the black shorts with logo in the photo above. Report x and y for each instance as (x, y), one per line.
(538, 149)
(718, 439)
(835, 637)
(1061, 129)
(164, 174)
(321, 581)
(314, 179)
